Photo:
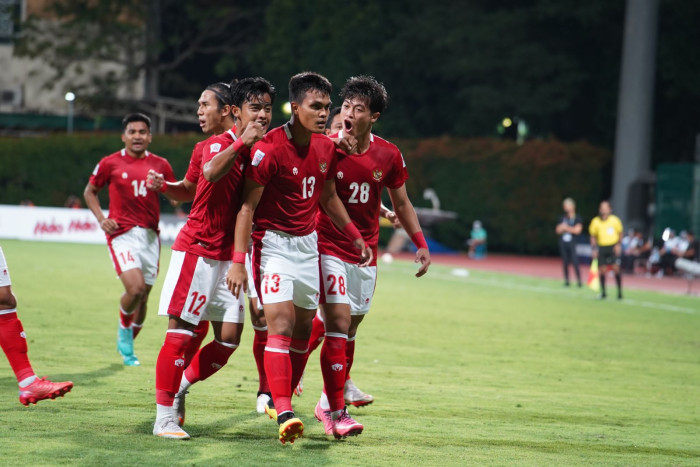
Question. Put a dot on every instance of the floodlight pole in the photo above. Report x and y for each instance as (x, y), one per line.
(634, 111)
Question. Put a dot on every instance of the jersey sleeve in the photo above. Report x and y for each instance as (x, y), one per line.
(593, 228)
(618, 226)
(195, 167)
(168, 173)
(211, 149)
(263, 165)
(100, 176)
(398, 174)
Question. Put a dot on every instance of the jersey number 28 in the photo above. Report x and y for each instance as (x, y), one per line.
(360, 193)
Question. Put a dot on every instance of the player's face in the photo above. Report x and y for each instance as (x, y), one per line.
(357, 118)
(211, 117)
(604, 210)
(257, 109)
(136, 138)
(336, 124)
(569, 207)
(313, 111)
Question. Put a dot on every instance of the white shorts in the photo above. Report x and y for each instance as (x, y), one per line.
(136, 248)
(251, 292)
(348, 283)
(195, 290)
(285, 268)
(4, 271)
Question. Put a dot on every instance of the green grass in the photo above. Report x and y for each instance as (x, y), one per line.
(486, 369)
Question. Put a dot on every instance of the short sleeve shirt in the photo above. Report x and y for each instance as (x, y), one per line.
(210, 227)
(131, 204)
(359, 181)
(567, 237)
(606, 232)
(293, 177)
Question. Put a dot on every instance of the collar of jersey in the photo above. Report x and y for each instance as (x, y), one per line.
(233, 135)
(124, 152)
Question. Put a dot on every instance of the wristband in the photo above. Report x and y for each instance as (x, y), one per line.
(164, 188)
(238, 257)
(238, 145)
(351, 231)
(419, 240)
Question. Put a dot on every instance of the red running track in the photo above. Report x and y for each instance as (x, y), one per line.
(551, 268)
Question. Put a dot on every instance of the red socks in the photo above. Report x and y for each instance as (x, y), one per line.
(298, 355)
(125, 319)
(14, 343)
(200, 332)
(210, 359)
(334, 368)
(349, 355)
(318, 330)
(170, 365)
(278, 368)
(259, 342)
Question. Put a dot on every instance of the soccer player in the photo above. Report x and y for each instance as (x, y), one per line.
(347, 288)
(353, 395)
(132, 225)
(14, 343)
(606, 233)
(286, 181)
(215, 116)
(195, 286)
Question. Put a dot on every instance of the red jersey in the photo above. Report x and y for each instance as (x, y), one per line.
(293, 177)
(195, 167)
(131, 204)
(209, 230)
(359, 180)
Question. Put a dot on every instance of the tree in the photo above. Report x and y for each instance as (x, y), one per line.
(138, 38)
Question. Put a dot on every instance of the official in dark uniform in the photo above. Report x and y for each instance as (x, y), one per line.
(568, 228)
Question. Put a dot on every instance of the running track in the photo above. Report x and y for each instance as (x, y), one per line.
(550, 268)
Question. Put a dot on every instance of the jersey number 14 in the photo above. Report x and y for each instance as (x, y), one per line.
(139, 188)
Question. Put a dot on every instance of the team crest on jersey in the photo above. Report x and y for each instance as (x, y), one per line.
(258, 157)
(377, 175)
(295, 171)
(339, 175)
(124, 175)
(215, 147)
(323, 165)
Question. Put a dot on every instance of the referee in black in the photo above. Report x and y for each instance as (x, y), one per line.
(568, 229)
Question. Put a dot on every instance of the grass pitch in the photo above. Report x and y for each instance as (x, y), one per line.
(485, 369)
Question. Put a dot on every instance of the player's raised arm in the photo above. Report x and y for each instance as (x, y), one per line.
(221, 163)
(182, 190)
(93, 203)
(333, 206)
(237, 277)
(409, 220)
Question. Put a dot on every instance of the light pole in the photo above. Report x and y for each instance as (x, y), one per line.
(70, 98)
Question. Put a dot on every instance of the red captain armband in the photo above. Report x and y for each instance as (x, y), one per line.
(238, 257)
(351, 231)
(419, 240)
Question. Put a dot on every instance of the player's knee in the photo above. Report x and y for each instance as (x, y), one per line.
(8, 301)
(136, 290)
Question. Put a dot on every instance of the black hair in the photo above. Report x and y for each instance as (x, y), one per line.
(137, 117)
(366, 88)
(335, 111)
(248, 88)
(301, 83)
(222, 91)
